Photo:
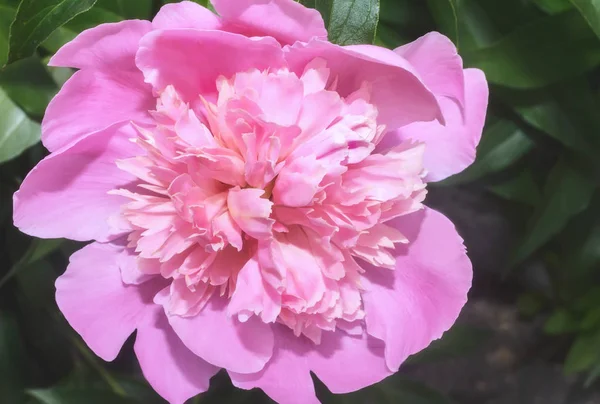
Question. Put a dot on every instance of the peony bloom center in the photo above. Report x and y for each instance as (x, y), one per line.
(267, 193)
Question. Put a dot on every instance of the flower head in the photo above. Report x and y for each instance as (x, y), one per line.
(255, 194)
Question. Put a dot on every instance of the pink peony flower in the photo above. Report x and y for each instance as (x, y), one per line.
(254, 195)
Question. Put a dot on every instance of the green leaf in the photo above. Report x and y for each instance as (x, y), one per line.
(567, 193)
(590, 9)
(560, 322)
(502, 144)
(541, 53)
(12, 360)
(17, 131)
(520, 188)
(566, 112)
(38, 249)
(445, 14)
(553, 6)
(36, 20)
(128, 9)
(29, 85)
(580, 244)
(584, 353)
(6, 16)
(64, 395)
(351, 22)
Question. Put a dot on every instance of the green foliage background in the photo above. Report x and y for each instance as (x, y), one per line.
(539, 155)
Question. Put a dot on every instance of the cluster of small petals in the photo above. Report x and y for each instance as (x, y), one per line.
(267, 204)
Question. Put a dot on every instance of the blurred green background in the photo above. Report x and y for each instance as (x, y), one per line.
(528, 208)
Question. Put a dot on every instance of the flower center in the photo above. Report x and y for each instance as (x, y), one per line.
(270, 192)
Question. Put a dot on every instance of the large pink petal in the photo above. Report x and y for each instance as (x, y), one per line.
(417, 302)
(397, 92)
(224, 341)
(66, 194)
(348, 363)
(109, 47)
(191, 59)
(435, 58)
(285, 20)
(449, 149)
(172, 369)
(286, 378)
(344, 363)
(185, 14)
(97, 304)
(93, 100)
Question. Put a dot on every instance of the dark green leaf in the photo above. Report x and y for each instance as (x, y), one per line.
(566, 112)
(590, 9)
(553, 6)
(6, 16)
(17, 131)
(128, 9)
(520, 188)
(541, 53)
(584, 353)
(560, 322)
(28, 83)
(352, 21)
(567, 193)
(502, 144)
(63, 395)
(580, 244)
(445, 14)
(12, 360)
(37, 19)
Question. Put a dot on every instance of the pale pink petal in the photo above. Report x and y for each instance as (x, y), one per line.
(286, 378)
(185, 14)
(131, 273)
(94, 100)
(191, 60)
(97, 304)
(417, 302)
(344, 363)
(109, 47)
(285, 20)
(224, 341)
(251, 211)
(253, 295)
(435, 58)
(66, 194)
(398, 93)
(348, 363)
(172, 369)
(449, 149)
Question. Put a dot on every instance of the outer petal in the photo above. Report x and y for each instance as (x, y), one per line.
(192, 60)
(449, 149)
(286, 20)
(185, 14)
(417, 302)
(343, 362)
(93, 100)
(109, 47)
(224, 341)
(66, 194)
(97, 304)
(172, 369)
(435, 58)
(286, 378)
(397, 92)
